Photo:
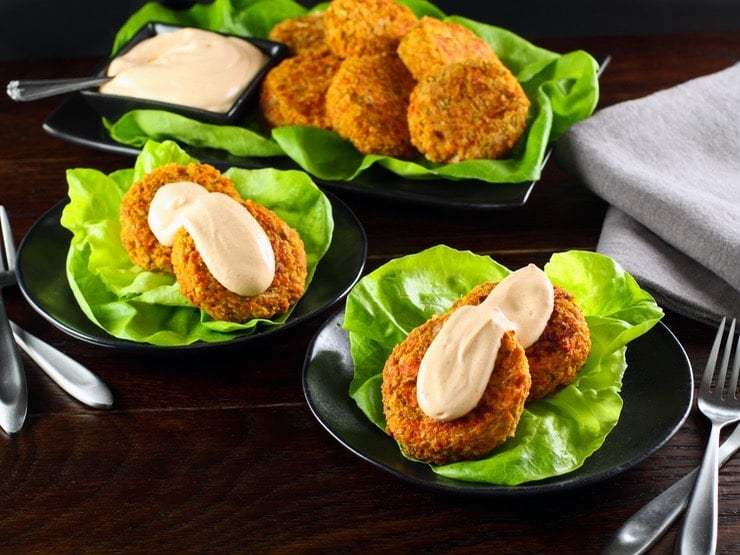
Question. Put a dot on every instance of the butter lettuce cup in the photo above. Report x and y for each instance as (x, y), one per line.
(556, 434)
(141, 306)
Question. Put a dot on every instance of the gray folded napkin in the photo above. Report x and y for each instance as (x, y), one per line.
(669, 165)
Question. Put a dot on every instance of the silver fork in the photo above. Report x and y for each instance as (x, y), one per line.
(67, 373)
(13, 388)
(646, 526)
(718, 401)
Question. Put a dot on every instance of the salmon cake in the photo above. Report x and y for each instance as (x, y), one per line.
(302, 35)
(294, 92)
(137, 238)
(477, 433)
(432, 44)
(475, 109)
(367, 102)
(204, 291)
(362, 27)
(562, 348)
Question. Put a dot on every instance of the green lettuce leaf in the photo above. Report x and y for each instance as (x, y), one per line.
(563, 89)
(555, 435)
(137, 127)
(133, 304)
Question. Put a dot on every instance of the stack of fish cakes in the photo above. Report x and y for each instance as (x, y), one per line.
(393, 84)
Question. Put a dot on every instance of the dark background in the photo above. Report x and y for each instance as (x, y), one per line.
(77, 28)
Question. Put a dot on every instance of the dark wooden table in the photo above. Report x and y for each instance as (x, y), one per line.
(221, 452)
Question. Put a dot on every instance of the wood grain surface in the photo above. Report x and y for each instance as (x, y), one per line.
(221, 452)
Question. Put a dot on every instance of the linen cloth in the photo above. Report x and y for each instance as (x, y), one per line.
(669, 166)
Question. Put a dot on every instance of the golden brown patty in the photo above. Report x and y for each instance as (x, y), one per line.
(301, 34)
(432, 44)
(205, 292)
(472, 436)
(361, 27)
(140, 243)
(367, 103)
(294, 92)
(561, 350)
(467, 110)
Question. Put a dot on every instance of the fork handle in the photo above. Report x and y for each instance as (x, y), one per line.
(13, 389)
(67, 373)
(648, 524)
(698, 533)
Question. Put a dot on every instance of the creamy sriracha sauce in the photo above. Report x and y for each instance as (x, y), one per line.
(167, 207)
(457, 366)
(232, 244)
(191, 67)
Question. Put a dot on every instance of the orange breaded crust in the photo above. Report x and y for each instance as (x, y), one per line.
(204, 291)
(367, 103)
(467, 110)
(140, 243)
(432, 44)
(561, 350)
(472, 436)
(302, 35)
(294, 92)
(361, 27)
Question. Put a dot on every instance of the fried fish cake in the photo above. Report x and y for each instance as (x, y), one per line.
(474, 109)
(471, 436)
(432, 44)
(367, 102)
(302, 35)
(140, 243)
(360, 27)
(204, 291)
(562, 349)
(294, 92)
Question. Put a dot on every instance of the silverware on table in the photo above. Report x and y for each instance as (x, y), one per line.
(23, 91)
(648, 524)
(13, 388)
(717, 400)
(67, 373)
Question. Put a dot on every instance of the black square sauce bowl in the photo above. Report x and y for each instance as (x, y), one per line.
(113, 106)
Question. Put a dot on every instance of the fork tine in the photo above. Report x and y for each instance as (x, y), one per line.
(706, 379)
(722, 376)
(8, 245)
(735, 376)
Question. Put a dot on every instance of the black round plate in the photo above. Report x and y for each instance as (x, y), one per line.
(42, 277)
(657, 392)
